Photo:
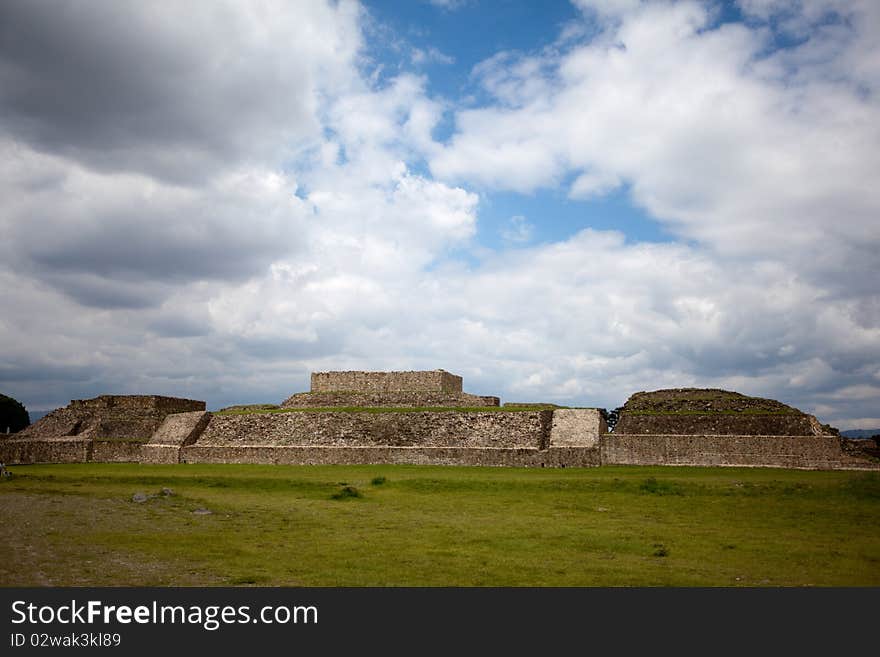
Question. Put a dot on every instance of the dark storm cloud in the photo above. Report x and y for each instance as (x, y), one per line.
(134, 250)
(116, 251)
(96, 292)
(176, 93)
(330, 341)
(21, 368)
(179, 326)
(142, 140)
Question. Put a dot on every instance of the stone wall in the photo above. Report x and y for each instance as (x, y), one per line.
(176, 431)
(480, 456)
(116, 451)
(394, 399)
(57, 450)
(528, 438)
(822, 452)
(521, 429)
(577, 427)
(19, 451)
(425, 381)
(181, 428)
(156, 454)
(748, 424)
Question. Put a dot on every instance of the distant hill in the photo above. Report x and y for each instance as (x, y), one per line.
(860, 433)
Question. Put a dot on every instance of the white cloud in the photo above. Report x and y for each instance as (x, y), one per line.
(608, 8)
(330, 247)
(125, 239)
(588, 185)
(517, 230)
(178, 92)
(430, 56)
(756, 156)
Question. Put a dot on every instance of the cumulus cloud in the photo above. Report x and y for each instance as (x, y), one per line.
(762, 157)
(125, 239)
(228, 200)
(177, 92)
(220, 191)
(717, 139)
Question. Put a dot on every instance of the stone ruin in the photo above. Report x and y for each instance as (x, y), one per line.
(132, 417)
(400, 389)
(426, 418)
(699, 426)
(703, 411)
(107, 428)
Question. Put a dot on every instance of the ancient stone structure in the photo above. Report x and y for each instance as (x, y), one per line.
(396, 389)
(529, 429)
(175, 432)
(109, 428)
(429, 381)
(812, 452)
(132, 417)
(699, 411)
(694, 426)
(440, 436)
(407, 417)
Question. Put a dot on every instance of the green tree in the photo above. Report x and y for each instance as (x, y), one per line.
(13, 415)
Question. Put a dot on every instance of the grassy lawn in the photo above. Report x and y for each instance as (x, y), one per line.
(432, 526)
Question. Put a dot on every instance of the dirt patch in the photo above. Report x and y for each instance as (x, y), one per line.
(49, 540)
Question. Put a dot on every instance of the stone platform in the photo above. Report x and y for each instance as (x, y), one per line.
(327, 425)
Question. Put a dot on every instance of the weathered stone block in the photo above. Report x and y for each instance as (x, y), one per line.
(160, 454)
(181, 428)
(715, 424)
(425, 381)
(59, 450)
(576, 427)
(477, 456)
(395, 399)
(116, 451)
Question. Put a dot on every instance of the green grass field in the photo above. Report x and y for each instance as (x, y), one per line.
(435, 526)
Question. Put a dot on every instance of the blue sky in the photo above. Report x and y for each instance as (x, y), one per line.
(452, 38)
(461, 35)
(559, 201)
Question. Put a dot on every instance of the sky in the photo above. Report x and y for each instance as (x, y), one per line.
(559, 201)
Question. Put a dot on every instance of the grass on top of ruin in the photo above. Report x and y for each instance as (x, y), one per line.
(266, 408)
(129, 524)
(745, 411)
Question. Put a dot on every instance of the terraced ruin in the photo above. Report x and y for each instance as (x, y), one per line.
(426, 418)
